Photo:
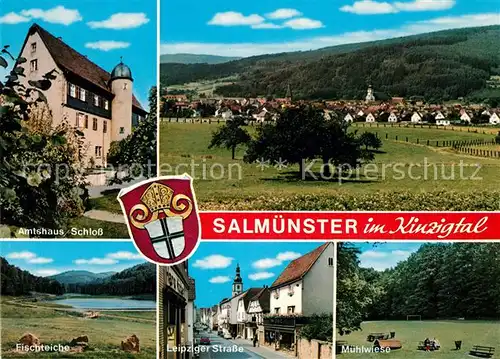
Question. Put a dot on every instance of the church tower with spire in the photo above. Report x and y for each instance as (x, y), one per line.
(238, 282)
(288, 95)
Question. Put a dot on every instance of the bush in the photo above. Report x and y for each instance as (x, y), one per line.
(319, 327)
(41, 179)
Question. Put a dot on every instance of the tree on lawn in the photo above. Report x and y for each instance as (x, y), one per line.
(370, 141)
(230, 136)
(41, 176)
(137, 152)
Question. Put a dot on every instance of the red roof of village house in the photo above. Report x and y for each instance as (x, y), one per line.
(297, 268)
(70, 60)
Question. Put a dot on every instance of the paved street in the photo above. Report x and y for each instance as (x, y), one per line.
(218, 345)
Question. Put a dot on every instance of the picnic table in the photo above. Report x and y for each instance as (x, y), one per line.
(482, 351)
(373, 336)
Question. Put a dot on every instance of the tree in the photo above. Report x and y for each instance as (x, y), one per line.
(136, 154)
(41, 174)
(497, 139)
(230, 136)
(370, 141)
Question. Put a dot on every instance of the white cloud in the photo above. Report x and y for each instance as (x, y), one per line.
(380, 260)
(260, 275)
(219, 279)
(46, 272)
(124, 255)
(303, 23)
(12, 18)
(56, 15)
(213, 262)
(25, 255)
(267, 25)
(107, 45)
(425, 5)
(283, 14)
(312, 43)
(370, 7)
(97, 261)
(287, 256)
(266, 263)
(232, 18)
(121, 21)
(40, 260)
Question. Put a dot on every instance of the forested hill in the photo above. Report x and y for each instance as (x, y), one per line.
(16, 281)
(458, 280)
(79, 276)
(195, 59)
(140, 279)
(439, 66)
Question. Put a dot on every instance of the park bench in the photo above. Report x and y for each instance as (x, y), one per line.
(421, 346)
(373, 336)
(393, 344)
(482, 351)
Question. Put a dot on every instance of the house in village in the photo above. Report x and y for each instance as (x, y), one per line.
(439, 116)
(370, 118)
(242, 313)
(100, 104)
(304, 288)
(348, 118)
(416, 118)
(392, 117)
(257, 309)
(465, 117)
(443, 122)
(494, 119)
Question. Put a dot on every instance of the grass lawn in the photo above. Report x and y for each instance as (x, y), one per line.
(400, 166)
(53, 327)
(107, 202)
(486, 333)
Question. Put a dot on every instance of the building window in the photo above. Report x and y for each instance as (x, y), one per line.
(277, 310)
(122, 130)
(82, 95)
(104, 126)
(96, 100)
(106, 105)
(290, 309)
(72, 90)
(125, 85)
(86, 121)
(34, 65)
(94, 124)
(330, 261)
(98, 151)
(33, 47)
(79, 119)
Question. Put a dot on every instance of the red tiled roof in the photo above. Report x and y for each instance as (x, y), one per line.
(297, 268)
(70, 60)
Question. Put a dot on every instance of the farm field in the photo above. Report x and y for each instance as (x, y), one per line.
(59, 324)
(410, 333)
(401, 166)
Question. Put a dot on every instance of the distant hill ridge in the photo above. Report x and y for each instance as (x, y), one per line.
(79, 276)
(195, 59)
(439, 66)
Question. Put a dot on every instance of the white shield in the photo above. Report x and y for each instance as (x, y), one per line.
(167, 236)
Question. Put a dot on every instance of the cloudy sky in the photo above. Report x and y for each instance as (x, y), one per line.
(103, 30)
(221, 27)
(381, 256)
(213, 266)
(49, 258)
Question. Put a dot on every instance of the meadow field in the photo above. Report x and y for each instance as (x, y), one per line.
(55, 324)
(406, 167)
(410, 333)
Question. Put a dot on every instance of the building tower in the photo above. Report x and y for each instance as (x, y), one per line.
(238, 282)
(369, 94)
(121, 106)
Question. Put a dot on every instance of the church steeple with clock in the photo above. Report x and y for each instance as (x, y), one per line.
(238, 282)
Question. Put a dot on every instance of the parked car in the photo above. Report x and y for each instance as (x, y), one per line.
(228, 336)
(220, 333)
(204, 341)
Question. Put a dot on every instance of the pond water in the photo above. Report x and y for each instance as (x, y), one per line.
(106, 303)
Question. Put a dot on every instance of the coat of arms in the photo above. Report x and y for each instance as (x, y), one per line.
(162, 218)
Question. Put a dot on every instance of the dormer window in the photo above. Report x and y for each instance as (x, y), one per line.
(82, 95)
(72, 90)
(34, 65)
(33, 47)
